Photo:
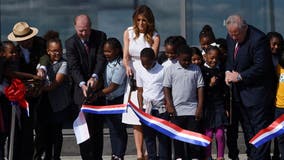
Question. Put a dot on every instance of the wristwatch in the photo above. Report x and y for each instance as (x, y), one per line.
(239, 78)
(95, 76)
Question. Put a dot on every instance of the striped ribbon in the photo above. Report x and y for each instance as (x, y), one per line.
(109, 109)
(167, 128)
(274, 130)
(161, 125)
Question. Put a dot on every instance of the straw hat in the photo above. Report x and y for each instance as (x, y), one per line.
(22, 31)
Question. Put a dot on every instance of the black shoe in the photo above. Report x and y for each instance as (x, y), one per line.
(114, 157)
(275, 158)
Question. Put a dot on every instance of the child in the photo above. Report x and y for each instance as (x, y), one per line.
(279, 110)
(196, 57)
(183, 89)
(224, 49)
(10, 63)
(55, 101)
(206, 37)
(11, 56)
(171, 45)
(214, 101)
(151, 98)
(276, 45)
(5, 106)
(114, 87)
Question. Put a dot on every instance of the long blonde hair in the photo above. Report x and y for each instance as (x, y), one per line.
(145, 11)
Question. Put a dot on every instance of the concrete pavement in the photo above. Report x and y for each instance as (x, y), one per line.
(133, 157)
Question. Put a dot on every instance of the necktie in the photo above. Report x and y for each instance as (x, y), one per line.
(236, 50)
(86, 46)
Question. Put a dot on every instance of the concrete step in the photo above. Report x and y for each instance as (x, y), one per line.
(70, 148)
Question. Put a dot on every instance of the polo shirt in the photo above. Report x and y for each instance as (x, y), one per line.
(115, 73)
(169, 62)
(152, 83)
(184, 83)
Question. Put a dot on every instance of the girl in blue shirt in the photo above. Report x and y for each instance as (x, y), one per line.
(114, 86)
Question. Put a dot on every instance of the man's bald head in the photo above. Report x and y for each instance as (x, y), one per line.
(82, 17)
(82, 24)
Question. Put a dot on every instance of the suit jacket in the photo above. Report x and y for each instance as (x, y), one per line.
(254, 64)
(2, 68)
(82, 64)
(37, 55)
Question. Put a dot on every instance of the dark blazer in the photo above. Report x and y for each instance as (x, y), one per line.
(254, 64)
(37, 55)
(82, 64)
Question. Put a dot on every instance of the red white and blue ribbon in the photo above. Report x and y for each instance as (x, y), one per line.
(109, 109)
(161, 125)
(274, 130)
(170, 129)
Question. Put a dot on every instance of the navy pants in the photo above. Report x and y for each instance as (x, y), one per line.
(233, 131)
(118, 133)
(92, 149)
(254, 119)
(186, 150)
(150, 136)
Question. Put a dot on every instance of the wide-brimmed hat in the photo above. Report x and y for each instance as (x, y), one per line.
(22, 31)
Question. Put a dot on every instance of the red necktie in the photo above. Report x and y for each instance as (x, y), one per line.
(236, 50)
(86, 46)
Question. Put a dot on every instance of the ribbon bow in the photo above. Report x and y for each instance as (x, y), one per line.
(16, 93)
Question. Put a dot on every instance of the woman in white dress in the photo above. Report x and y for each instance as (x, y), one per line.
(137, 37)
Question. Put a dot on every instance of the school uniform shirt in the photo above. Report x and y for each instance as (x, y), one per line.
(152, 83)
(115, 73)
(60, 97)
(280, 88)
(184, 83)
(214, 114)
(169, 62)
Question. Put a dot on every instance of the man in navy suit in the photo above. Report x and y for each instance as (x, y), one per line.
(249, 70)
(87, 62)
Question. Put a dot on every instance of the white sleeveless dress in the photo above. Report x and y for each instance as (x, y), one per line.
(135, 47)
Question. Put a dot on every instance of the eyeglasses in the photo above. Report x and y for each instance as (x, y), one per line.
(54, 52)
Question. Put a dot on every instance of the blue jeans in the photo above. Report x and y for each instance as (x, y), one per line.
(278, 113)
(150, 136)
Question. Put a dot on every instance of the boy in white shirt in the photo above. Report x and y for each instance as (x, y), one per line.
(151, 98)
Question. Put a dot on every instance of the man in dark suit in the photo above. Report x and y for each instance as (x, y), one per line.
(249, 69)
(87, 62)
(32, 51)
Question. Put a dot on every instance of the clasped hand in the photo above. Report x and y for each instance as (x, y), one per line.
(231, 77)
